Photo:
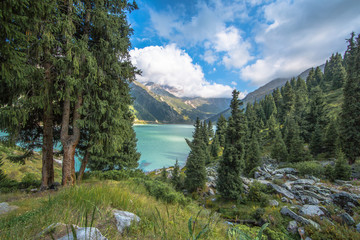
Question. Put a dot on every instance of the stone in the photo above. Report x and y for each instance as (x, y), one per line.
(267, 176)
(85, 233)
(291, 177)
(343, 198)
(278, 176)
(292, 227)
(307, 238)
(211, 192)
(313, 178)
(273, 203)
(311, 210)
(51, 228)
(282, 191)
(305, 199)
(286, 171)
(246, 181)
(5, 207)
(124, 219)
(257, 175)
(287, 212)
(284, 199)
(358, 227)
(304, 182)
(347, 219)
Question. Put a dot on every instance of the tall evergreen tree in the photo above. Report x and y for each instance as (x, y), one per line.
(221, 126)
(311, 80)
(195, 164)
(252, 155)
(342, 169)
(293, 141)
(350, 114)
(229, 184)
(210, 130)
(332, 139)
(175, 177)
(278, 150)
(288, 95)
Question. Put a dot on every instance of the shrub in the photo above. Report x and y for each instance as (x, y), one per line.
(256, 193)
(30, 180)
(342, 168)
(258, 213)
(163, 191)
(310, 168)
(116, 175)
(329, 172)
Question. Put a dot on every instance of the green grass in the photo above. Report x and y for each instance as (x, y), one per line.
(74, 205)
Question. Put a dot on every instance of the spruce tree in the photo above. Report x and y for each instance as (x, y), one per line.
(278, 150)
(252, 155)
(350, 113)
(332, 139)
(195, 164)
(221, 126)
(229, 184)
(215, 147)
(293, 141)
(311, 80)
(163, 175)
(288, 96)
(175, 177)
(342, 168)
(210, 130)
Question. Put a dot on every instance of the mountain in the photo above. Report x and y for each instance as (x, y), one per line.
(262, 91)
(159, 103)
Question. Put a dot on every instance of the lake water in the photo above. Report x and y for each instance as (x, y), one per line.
(161, 145)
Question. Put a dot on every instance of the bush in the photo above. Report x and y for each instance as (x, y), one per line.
(163, 191)
(256, 193)
(329, 172)
(309, 168)
(342, 168)
(30, 180)
(116, 175)
(258, 213)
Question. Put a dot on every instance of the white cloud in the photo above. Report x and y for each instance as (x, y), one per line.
(299, 35)
(172, 66)
(209, 56)
(233, 83)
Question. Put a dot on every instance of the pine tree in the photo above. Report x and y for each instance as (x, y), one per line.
(293, 141)
(175, 178)
(221, 130)
(278, 150)
(317, 140)
(269, 107)
(332, 140)
(195, 164)
(350, 114)
(210, 130)
(342, 168)
(229, 184)
(163, 175)
(311, 80)
(288, 95)
(252, 155)
(301, 99)
(215, 147)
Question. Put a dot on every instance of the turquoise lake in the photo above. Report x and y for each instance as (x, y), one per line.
(161, 145)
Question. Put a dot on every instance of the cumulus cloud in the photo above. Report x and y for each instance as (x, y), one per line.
(300, 34)
(172, 66)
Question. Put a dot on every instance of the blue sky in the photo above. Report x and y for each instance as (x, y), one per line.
(206, 48)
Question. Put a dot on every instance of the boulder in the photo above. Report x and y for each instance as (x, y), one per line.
(287, 212)
(292, 227)
(278, 176)
(311, 210)
(5, 207)
(291, 177)
(358, 227)
(304, 182)
(347, 219)
(282, 191)
(343, 199)
(286, 171)
(124, 219)
(305, 199)
(273, 203)
(85, 233)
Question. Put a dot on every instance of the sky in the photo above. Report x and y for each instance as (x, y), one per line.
(207, 48)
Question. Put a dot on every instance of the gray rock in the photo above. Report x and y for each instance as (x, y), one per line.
(358, 227)
(267, 176)
(124, 219)
(278, 176)
(292, 227)
(211, 192)
(246, 181)
(307, 238)
(347, 219)
(313, 178)
(305, 199)
(273, 203)
(343, 198)
(85, 233)
(311, 210)
(5, 207)
(291, 177)
(286, 171)
(287, 212)
(284, 199)
(282, 191)
(257, 175)
(304, 182)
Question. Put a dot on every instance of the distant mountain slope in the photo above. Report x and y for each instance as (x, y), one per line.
(262, 91)
(157, 103)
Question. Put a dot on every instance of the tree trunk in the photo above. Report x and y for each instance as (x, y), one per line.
(47, 148)
(83, 166)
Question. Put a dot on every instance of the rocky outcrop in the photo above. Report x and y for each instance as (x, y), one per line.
(287, 212)
(311, 210)
(282, 191)
(124, 219)
(5, 207)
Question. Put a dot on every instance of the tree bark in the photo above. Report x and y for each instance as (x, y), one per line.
(47, 148)
(83, 166)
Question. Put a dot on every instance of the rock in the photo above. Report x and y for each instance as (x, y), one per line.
(282, 191)
(287, 212)
(34, 190)
(291, 177)
(257, 175)
(267, 176)
(305, 199)
(292, 227)
(5, 207)
(211, 192)
(124, 219)
(342, 199)
(284, 199)
(311, 210)
(286, 171)
(347, 219)
(273, 203)
(50, 228)
(85, 233)
(278, 176)
(307, 238)
(304, 182)
(246, 181)
(312, 178)
(358, 227)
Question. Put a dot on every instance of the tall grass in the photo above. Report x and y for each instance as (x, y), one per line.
(74, 205)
